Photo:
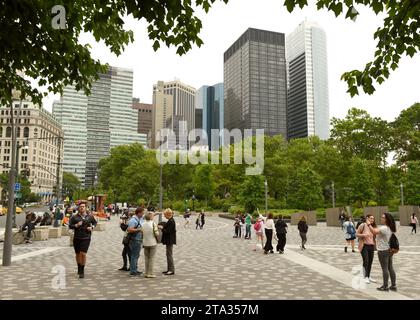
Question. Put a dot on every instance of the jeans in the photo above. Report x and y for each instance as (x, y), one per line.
(135, 247)
(149, 254)
(29, 227)
(385, 259)
(169, 257)
(248, 231)
(304, 238)
(282, 241)
(126, 253)
(368, 252)
(268, 245)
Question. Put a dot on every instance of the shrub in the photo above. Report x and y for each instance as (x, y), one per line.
(357, 213)
(236, 210)
(372, 203)
(226, 206)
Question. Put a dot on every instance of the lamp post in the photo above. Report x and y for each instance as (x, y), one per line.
(15, 203)
(402, 193)
(266, 200)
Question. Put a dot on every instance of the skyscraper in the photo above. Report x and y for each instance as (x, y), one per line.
(94, 124)
(255, 83)
(210, 99)
(161, 112)
(183, 102)
(145, 118)
(308, 101)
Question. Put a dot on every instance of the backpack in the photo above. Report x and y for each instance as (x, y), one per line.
(257, 226)
(123, 226)
(394, 245)
(350, 229)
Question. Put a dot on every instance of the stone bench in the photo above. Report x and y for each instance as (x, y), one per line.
(41, 234)
(54, 232)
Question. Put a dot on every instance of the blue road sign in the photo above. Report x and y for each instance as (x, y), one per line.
(17, 187)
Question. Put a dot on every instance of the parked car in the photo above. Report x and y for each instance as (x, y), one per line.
(4, 210)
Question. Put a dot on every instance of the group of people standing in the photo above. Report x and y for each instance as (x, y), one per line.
(242, 226)
(140, 230)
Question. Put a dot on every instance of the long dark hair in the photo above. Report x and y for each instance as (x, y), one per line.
(413, 215)
(390, 222)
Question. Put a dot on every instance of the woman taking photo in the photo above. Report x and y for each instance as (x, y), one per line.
(383, 234)
(367, 245)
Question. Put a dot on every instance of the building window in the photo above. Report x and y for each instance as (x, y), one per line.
(18, 132)
(25, 106)
(26, 132)
(8, 132)
(1, 131)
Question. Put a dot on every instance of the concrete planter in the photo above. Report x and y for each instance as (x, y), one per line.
(309, 215)
(64, 231)
(100, 226)
(71, 239)
(405, 213)
(332, 215)
(376, 212)
(41, 234)
(55, 232)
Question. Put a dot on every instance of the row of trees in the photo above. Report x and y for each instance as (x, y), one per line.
(299, 173)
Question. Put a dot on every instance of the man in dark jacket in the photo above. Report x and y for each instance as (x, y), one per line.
(82, 223)
(281, 230)
(169, 239)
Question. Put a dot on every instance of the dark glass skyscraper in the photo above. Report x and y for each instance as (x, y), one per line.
(255, 83)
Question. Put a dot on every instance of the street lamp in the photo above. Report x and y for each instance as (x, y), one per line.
(266, 200)
(160, 185)
(193, 199)
(402, 193)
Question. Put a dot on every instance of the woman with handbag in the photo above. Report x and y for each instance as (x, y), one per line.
(169, 239)
(150, 241)
(126, 253)
(367, 246)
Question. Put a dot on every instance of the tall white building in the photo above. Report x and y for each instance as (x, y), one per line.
(94, 124)
(308, 97)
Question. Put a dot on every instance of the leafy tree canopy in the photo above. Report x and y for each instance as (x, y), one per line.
(54, 57)
(399, 35)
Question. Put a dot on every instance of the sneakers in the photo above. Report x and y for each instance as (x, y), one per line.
(169, 273)
(281, 252)
(383, 288)
(271, 251)
(367, 280)
(371, 280)
(353, 251)
(81, 275)
(165, 272)
(137, 273)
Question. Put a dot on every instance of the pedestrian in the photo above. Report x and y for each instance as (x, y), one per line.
(361, 220)
(126, 253)
(367, 246)
(258, 227)
(169, 239)
(29, 225)
(150, 236)
(237, 225)
(303, 230)
(413, 223)
(242, 225)
(349, 233)
(187, 216)
(383, 235)
(342, 219)
(58, 216)
(248, 224)
(202, 219)
(82, 223)
(134, 230)
(198, 221)
(268, 228)
(281, 230)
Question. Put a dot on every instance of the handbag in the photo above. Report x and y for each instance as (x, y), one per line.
(157, 233)
(126, 239)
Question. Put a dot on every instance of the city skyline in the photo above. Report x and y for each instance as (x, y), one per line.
(350, 46)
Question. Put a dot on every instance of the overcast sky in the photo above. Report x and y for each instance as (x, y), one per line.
(350, 45)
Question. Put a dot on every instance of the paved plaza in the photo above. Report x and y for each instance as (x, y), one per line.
(209, 264)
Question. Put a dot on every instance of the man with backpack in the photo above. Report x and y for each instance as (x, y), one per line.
(349, 233)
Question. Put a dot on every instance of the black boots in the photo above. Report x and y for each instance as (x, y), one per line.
(81, 271)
